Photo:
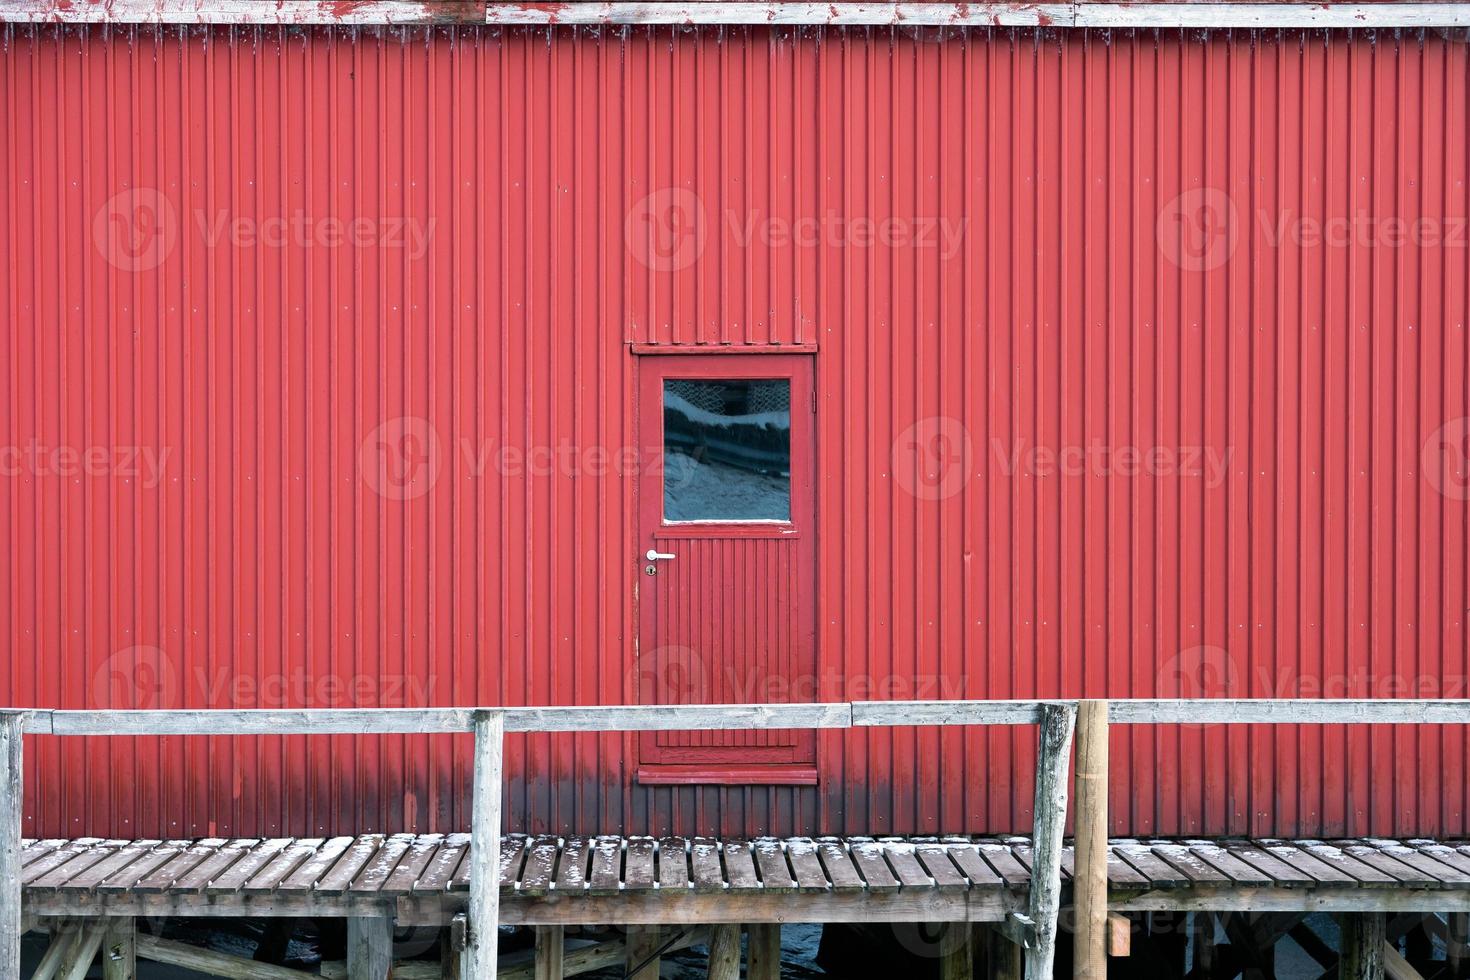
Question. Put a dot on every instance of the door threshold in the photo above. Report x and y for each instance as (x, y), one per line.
(717, 775)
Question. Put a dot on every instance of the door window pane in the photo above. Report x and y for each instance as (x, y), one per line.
(727, 450)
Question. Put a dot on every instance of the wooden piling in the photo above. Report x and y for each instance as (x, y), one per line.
(1090, 876)
(1206, 951)
(1457, 945)
(120, 949)
(1003, 959)
(1054, 748)
(956, 952)
(642, 960)
(724, 953)
(12, 806)
(451, 952)
(764, 955)
(484, 938)
(551, 948)
(369, 947)
(1362, 946)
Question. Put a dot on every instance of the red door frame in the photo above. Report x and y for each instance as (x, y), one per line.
(798, 764)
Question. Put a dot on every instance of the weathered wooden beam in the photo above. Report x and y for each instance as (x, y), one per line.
(12, 808)
(484, 914)
(1361, 957)
(841, 13)
(763, 955)
(1346, 898)
(1396, 967)
(66, 935)
(209, 962)
(367, 721)
(1290, 711)
(120, 949)
(641, 960)
(1019, 929)
(402, 970)
(1090, 871)
(1321, 953)
(79, 960)
(1120, 934)
(1054, 749)
(550, 952)
(724, 953)
(596, 956)
(611, 718)
(869, 713)
(369, 947)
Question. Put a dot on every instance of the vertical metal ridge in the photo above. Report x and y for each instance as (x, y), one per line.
(1061, 320)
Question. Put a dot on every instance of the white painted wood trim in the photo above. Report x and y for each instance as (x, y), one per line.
(482, 948)
(368, 721)
(12, 808)
(716, 717)
(881, 713)
(1269, 15)
(1204, 15)
(1290, 711)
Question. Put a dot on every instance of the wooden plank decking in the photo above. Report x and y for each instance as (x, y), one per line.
(549, 880)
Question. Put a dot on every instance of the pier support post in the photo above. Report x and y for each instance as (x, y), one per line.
(724, 953)
(641, 962)
(12, 805)
(1002, 956)
(1457, 945)
(1090, 876)
(1054, 748)
(120, 949)
(1362, 946)
(369, 947)
(765, 952)
(1206, 952)
(451, 954)
(484, 939)
(956, 952)
(551, 948)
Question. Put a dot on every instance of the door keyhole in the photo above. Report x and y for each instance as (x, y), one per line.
(651, 569)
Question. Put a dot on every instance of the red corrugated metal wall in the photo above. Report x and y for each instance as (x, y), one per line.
(241, 266)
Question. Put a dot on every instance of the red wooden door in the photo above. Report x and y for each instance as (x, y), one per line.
(727, 576)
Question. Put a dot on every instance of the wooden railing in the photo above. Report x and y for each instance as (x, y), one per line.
(1057, 721)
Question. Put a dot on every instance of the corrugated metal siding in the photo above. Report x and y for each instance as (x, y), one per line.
(1093, 297)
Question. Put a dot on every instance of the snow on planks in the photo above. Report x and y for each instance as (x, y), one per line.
(889, 875)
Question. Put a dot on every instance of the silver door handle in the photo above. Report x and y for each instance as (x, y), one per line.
(657, 555)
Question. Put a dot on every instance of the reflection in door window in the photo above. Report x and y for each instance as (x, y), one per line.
(727, 450)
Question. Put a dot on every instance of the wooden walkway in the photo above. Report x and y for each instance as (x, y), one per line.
(424, 879)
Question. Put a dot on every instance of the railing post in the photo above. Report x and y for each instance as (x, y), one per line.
(1054, 747)
(12, 806)
(484, 938)
(1090, 874)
